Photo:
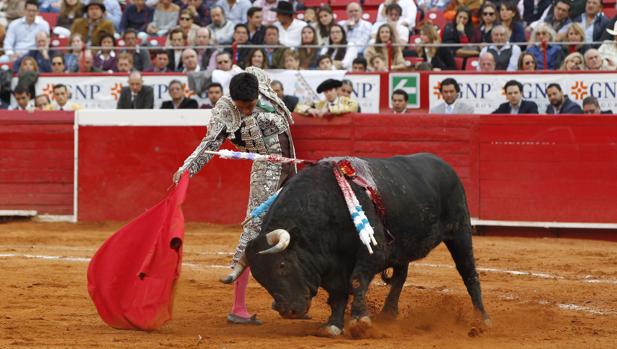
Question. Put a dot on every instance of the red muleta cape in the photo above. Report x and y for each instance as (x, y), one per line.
(131, 277)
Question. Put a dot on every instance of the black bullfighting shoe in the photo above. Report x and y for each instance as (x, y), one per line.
(237, 320)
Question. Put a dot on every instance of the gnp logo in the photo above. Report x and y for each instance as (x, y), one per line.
(116, 90)
(579, 90)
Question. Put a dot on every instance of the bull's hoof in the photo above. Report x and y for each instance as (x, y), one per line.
(479, 326)
(359, 328)
(329, 331)
(228, 280)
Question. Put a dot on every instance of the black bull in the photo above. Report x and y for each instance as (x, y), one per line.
(316, 244)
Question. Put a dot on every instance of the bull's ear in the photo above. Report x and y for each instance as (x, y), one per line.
(280, 238)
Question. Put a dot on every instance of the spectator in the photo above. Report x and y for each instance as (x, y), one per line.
(399, 101)
(235, 10)
(178, 100)
(71, 58)
(325, 21)
(342, 55)
(189, 28)
(125, 63)
(113, 12)
(310, 16)
(215, 92)
(325, 63)
(308, 55)
(461, 31)
(23, 99)
(21, 33)
(57, 64)
(290, 101)
(290, 60)
(358, 30)
(255, 26)
(140, 56)
(407, 14)
(559, 103)
(241, 38)
(506, 55)
(515, 104)
(199, 9)
(274, 55)
(449, 90)
(593, 20)
(256, 58)
(486, 62)
(558, 19)
(575, 36)
(386, 35)
(532, 11)
(61, 98)
(41, 102)
(594, 61)
(394, 14)
(574, 61)
(225, 69)
(289, 28)
(268, 14)
(161, 62)
(92, 27)
(69, 11)
(49, 6)
(86, 63)
(14, 9)
(205, 51)
(346, 88)
(377, 64)
(105, 59)
(592, 106)
(608, 49)
(510, 18)
(222, 30)
(177, 42)
(164, 18)
(41, 54)
(359, 65)
(136, 95)
(548, 56)
(439, 57)
(189, 61)
(28, 74)
(136, 16)
(426, 5)
(488, 19)
(331, 105)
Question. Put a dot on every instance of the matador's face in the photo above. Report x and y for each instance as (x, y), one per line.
(245, 108)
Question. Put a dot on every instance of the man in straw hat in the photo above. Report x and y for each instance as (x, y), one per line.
(93, 26)
(290, 28)
(333, 104)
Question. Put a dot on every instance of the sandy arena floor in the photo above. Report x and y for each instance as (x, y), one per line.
(540, 293)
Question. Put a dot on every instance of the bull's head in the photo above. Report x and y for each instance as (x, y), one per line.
(276, 265)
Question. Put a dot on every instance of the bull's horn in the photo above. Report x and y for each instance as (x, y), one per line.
(280, 237)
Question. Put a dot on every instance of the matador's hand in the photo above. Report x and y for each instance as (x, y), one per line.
(177, 175)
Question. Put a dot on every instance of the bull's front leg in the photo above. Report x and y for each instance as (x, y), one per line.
(334, 327)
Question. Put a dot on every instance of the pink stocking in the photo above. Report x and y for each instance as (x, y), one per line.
(239, 306)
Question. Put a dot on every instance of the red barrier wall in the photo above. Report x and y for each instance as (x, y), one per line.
(523, 168)
(36, 152)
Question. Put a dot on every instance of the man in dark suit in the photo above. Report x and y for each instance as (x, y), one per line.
(257, 31)
(290, 101)
(178, 40)
(559, 103)
(178, 101)
(136, 95)
(515, 103)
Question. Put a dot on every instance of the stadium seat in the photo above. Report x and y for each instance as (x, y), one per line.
(6, 66)
(59, 41)
(372, 3)
(459, 62)
(159, 41)
(472, 63)
(414, 60)
(339, 14)
(336, 4)
(50, 17)
(314, 3)
(370, 15)
(610, 12)
(436, 17)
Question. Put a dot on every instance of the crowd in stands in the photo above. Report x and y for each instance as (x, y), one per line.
(211, 40)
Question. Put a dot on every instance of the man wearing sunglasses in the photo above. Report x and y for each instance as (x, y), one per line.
(256, 120)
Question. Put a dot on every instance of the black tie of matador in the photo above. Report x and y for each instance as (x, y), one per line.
(133, 97)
